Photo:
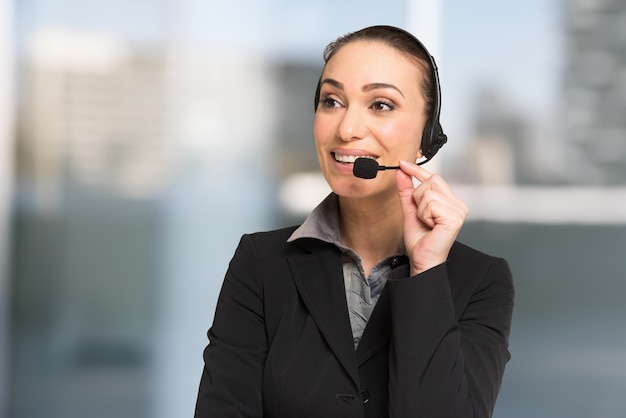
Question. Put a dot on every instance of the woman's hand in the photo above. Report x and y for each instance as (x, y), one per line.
(433, 216)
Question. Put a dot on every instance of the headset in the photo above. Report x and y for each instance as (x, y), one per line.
(433, 137)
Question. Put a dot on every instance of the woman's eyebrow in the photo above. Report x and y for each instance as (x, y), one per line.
(332, 82)
(375, 86)
(366, 88)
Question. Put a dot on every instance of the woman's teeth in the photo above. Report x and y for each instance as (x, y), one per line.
(350, 158)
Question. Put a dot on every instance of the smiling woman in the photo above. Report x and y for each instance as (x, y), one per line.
(400, 319)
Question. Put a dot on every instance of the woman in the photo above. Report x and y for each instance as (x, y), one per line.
(370, 308)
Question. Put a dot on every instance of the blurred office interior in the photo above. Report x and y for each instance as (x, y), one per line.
(140, 138)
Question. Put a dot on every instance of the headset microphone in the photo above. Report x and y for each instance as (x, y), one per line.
(367, 168)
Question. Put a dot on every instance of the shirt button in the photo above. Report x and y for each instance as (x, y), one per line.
(365, 396)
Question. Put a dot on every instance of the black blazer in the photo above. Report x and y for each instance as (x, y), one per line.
(281, 344)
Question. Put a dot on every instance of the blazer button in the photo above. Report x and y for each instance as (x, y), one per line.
(365, 396)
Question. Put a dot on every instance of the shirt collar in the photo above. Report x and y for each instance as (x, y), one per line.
(322, 223)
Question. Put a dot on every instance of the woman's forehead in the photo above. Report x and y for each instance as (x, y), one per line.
(372, 61)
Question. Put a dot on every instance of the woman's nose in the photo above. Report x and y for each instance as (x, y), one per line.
(352, 125)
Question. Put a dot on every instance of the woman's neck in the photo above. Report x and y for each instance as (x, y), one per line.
(371, 227)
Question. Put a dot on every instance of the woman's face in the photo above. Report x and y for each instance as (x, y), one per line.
(371, 105)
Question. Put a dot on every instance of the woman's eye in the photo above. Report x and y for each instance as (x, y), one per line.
(381, 106)
(329, 103)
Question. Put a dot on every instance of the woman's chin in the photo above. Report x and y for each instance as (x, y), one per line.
(355, 187)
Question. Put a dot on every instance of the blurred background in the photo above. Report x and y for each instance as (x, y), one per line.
(140, 138)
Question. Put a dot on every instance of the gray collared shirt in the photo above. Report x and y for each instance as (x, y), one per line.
(361, 293)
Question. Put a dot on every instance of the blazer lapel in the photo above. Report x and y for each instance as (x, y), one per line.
(319, 279)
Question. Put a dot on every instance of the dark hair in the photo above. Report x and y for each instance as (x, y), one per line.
(399, 39)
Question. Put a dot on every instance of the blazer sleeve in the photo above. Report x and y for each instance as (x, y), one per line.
(446, 363)
(231, 380)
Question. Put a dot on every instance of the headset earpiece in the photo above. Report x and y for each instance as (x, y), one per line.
(433, 138)
(427, 139)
